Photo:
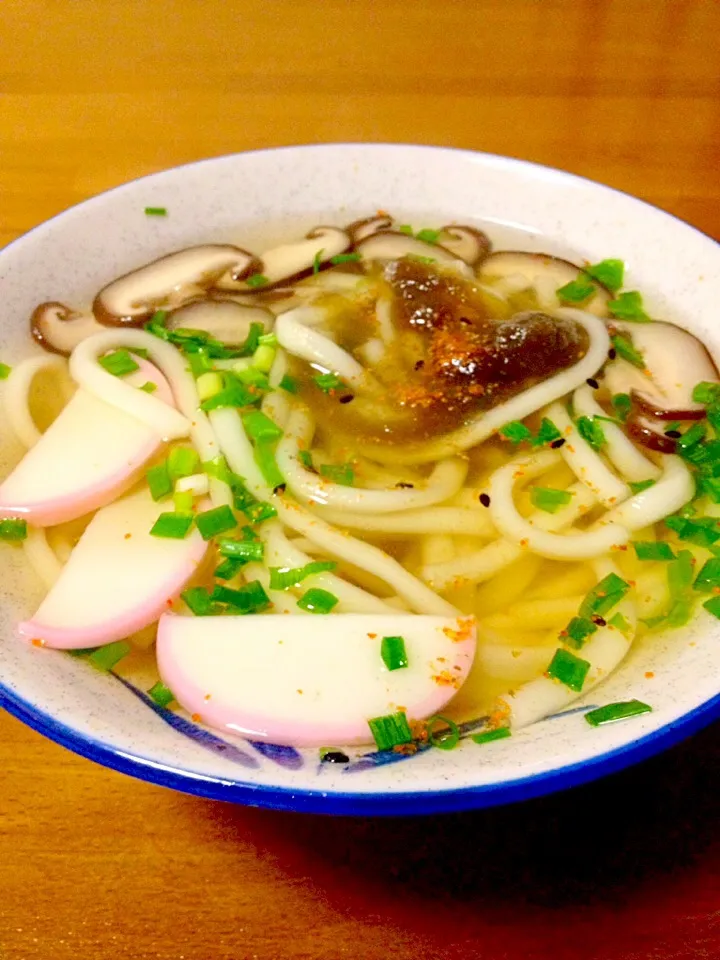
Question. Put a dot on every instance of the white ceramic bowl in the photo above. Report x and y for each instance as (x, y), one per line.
(236, 197)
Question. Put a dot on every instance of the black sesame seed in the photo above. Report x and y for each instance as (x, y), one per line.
(592, 382)
(599, 621)
(557, 443)
(335, 756)
(484, 499)
(280, 488)
(673, 434)
(347, 398)
(611, 353)
(420, 364)
(405, 486)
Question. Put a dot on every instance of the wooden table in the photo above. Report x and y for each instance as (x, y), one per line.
(95, 92)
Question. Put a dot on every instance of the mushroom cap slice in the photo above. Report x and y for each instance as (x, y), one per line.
(360, 229)
(466, 243)
(225, 320)
(392, 245)
(291, 261)
(59, 329)
(310, 680)
(649, 432)
(168, 283)
(118, 579)
(514, 270)
(88, 455)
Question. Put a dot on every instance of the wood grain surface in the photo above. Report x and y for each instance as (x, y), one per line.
(95, 865)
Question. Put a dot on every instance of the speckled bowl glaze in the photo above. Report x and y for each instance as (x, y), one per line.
(108, 718)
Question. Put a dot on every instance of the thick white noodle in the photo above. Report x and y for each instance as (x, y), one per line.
(452, 520)
(585, 463)
(282, 601)
(604, 651)
(619, 449)
(238, 451)
(445, 480)
(517, 408)
(499, 554)
(169, 423)
(308, 344)
(16, 396)
(383, 314)
(41, 556)
(281, 553)
(198, 484)
(524, 532)
(672, 491)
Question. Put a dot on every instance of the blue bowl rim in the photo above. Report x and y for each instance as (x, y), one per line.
(418, 802)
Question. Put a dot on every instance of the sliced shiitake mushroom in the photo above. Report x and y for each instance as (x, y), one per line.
(393, 245)
(291, 261)
(168, 283)
(466, 243)
(225, 320)
(58, 329)
(514, 270)
(361, 229)
(649, 432)
(676, 361)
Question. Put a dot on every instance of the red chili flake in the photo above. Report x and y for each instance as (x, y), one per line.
(127, 536)
(196, 718)
(649, 675)
(372, 636)
(38, 642)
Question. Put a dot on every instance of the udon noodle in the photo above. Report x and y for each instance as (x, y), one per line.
(366, 485)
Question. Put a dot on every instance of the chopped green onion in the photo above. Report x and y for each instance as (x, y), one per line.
(345, 258)
(250, 598)
(446, 739)
(713, 606)
(487, 736)
(393, 653)
(610, 273)
(183, 501)
(251, 376)
(621, 404)
(628, 306)
(390, 731)
(247, 550)
(5, 371)
(252, 341)
(257, 280)
(172, 526)
(639, 485)
(229, 568)
(162, 695)
(159, 482)
(427, 235)
(219, 469)
(199, 602)
(264, 357)
(149, 387)
(406, 229)
(690, 439)
(282, 578)
(616, 711)
(13, 529)
(288, 383)
(305, 458)
(155, 211)
(568, 669)
(604, 596)
(624, 348)
(418, 259)
(546, 434)
(259, 426)
(709, 576)
(118, 363)
(255, 510)
(653, 550)
(235, 394)
(577, 632)
(264, 455)
(208, 385)
(516, 432)
(548, 499)
(703, 531)
(341, 473)
(680, 574)
(710, 486)
(200, 363)
(317, 261)
(620, 623)
(268, 340)
(107, 657)
(328, 382)
(591, 431)
(653, 622)
(577, 291)
(182, 462)
(316, 600)
(706, 392)
(218, 520)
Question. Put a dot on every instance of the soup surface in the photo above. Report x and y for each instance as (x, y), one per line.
(383, 482)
